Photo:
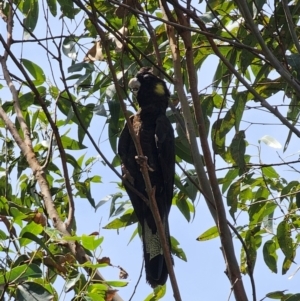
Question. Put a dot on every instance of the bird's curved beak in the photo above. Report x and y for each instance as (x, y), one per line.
(134, 85)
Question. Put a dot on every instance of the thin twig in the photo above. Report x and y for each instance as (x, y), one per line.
(225, 235)
(52, 124)
(290, 24)
(137, 283)
(189, 126)
(144, 169)
(243, 6)
(37, 171)
(178, 26)
(257, 96)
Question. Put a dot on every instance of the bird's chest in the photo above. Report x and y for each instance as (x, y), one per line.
(145, 132)
(144, 128)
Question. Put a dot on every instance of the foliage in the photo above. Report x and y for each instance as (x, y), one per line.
(85, 52)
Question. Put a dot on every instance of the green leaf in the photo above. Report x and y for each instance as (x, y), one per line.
(31, 10)
(256, 211)
(67, 8)
(229, 177)
(69, 143)
(270, 256)
(190, 187)
(33, 291)
(75, 164)
(298, 199)
(84, 191)
(183, 205)
(182, 149)
(218, 142)
(237, 150)
(52, 7)
(32, 237)
(117, 283)
(21, 273)
(96, 179)
(207, 17)
(157, 294)
(284, 239)
(295, 297)
(36, 71)
(290, 187)
(17, 214)
(71, 282)
(232, 197)
(86, 115)
(227, 123)
(251, 243)
(33, 228)
(26, 100)
(79, 66)
(286, 265)
(83, 81)
(209, 234)
(123, 221)
(160, 292)
(270, 172)
(113, 125)
(3, 235)
(176, 250)
(135, 232)
(100, 110)
(91, 242)
(275, 295)
(114, 198)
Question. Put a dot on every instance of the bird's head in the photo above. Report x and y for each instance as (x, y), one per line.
(149, 89)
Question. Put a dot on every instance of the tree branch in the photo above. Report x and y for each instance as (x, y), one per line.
(39, 174)
(225, 235)
(243, 6)
(188, 118)
(52, 124)
(258, 97)
(94, 19)
(290, 23)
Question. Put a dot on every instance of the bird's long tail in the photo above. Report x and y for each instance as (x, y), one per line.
(155, 264)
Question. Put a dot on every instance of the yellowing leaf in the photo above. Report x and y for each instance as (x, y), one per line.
(209, 234)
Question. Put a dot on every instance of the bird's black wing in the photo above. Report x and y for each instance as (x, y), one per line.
(165, 142)
(131, 169)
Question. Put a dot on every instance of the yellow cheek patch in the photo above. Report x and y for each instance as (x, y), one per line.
(159, 89)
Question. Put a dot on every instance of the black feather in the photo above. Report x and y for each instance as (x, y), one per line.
(156, 136)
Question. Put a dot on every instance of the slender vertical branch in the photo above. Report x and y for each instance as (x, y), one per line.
(144, 169)
(188, 118)
(290, 24)
(225, 235)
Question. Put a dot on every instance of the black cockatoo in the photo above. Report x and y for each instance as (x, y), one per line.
(156, 137)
